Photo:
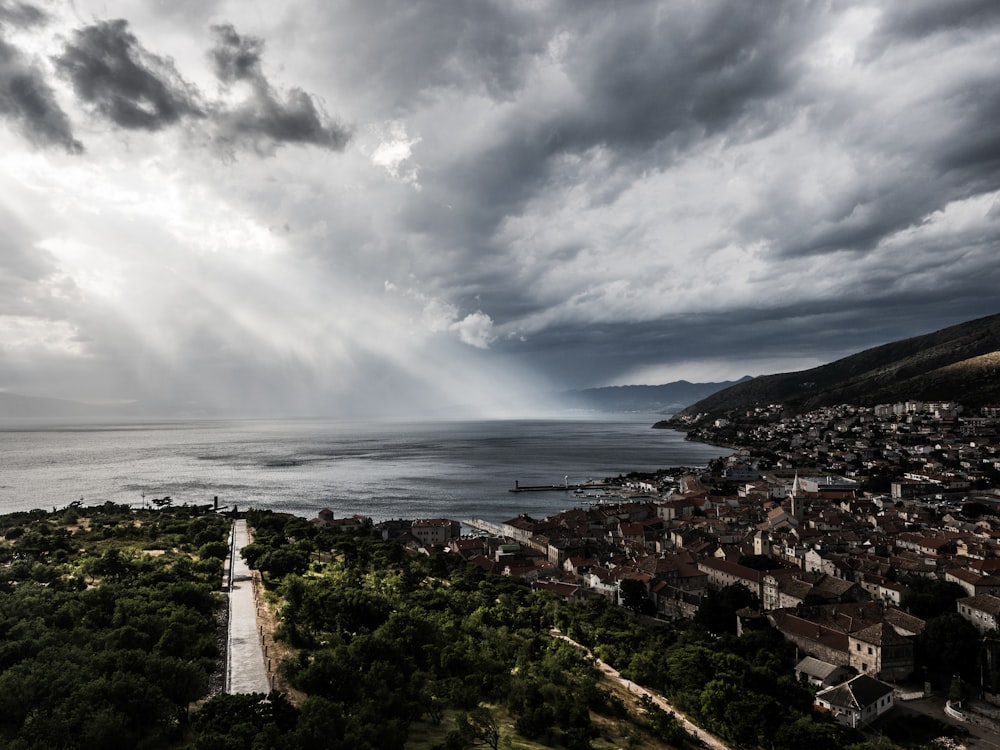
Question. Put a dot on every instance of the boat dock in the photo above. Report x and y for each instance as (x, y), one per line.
(557, 487)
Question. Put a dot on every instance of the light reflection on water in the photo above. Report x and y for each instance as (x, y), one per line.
(385, 470)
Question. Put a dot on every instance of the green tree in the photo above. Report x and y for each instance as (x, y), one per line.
(635, 596)
(717, 610)
(949, 645)
(927, 598)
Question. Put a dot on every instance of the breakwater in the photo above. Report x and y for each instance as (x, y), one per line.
(558, 487)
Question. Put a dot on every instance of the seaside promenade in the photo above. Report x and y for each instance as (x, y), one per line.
(245, 667)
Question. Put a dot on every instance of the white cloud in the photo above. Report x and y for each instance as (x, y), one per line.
(475, 329)
(395, 148)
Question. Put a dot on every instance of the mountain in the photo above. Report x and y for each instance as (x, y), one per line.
(669, 397)
(14, 406)
(960, 363)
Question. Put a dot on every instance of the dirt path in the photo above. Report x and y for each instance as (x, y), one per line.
(709, 740)
(266, 622)
(274, 651)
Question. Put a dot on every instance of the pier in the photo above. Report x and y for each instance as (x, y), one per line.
(557, 487)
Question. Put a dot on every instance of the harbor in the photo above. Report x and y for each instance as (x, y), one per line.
(566, 487)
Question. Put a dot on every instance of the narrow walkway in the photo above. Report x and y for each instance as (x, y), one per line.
(245, 672)
(707, 740)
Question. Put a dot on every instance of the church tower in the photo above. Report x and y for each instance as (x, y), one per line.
(797, 496)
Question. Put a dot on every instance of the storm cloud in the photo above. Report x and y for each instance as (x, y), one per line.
(265, 117)
(489, 199)
(134, 88)
(28, 102)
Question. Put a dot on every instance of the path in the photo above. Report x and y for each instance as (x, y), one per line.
(245, 668)
(708, 740)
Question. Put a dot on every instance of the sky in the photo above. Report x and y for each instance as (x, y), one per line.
(362, 206)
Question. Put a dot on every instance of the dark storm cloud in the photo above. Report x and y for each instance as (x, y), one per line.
(970, 155)
(266, 118)
(29, 103)
(697, 70)
(649, 83)
(888, 143)
(747, 341)
(959, 158)
(235, 57)
(859, 219)
(135, 89)
(918, 19)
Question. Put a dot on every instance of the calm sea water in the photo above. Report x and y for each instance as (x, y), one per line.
(385, 470)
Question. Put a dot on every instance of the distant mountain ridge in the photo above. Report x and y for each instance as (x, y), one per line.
(960, 363)
(15, 406)
(669, 397)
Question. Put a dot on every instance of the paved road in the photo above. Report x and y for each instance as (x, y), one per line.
(245, 671)
(979, 736)
(709, 740)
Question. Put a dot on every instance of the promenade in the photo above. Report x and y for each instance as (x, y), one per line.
(245, 668)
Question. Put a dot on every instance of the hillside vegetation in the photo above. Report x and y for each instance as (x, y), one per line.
(109, 625)
(960, 363)
(409, 651)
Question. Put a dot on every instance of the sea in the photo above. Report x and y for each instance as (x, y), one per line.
(413, 469)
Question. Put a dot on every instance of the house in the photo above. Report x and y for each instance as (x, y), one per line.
(433, 531)
(858, 701)
(568, 592)
(982, 610)
(821, 641)
(326, 519)
(904, 622)
(818, 673)
(973, 582)
(722, 573)
(791, 588)
(880, 651)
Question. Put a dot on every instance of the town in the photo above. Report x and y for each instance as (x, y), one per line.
(847, 529)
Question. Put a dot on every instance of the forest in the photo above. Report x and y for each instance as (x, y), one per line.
(112, 620)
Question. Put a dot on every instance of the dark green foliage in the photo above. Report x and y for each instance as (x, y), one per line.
(816, 735)
(739, 688)
(115, 665)
(930, 597)
(108, 649)
(239, 721)
(635, 597)
(949, 645)
(217, 550)
(717, 610)
(663, 725)
(409, 637)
